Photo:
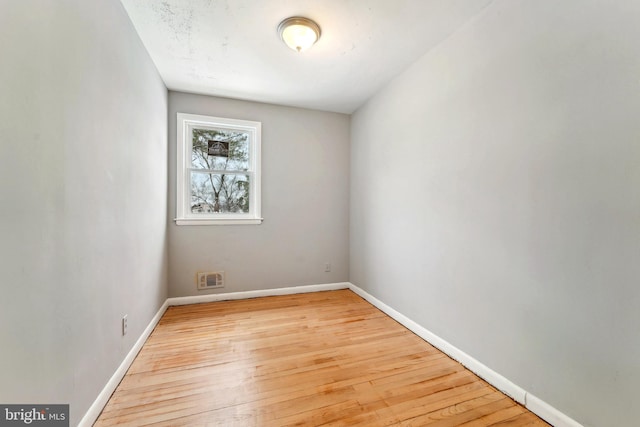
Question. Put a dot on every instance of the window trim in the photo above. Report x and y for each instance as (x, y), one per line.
(184, 123)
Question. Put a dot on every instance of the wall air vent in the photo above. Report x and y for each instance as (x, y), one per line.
(211, 280)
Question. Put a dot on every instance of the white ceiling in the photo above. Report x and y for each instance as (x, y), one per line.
(231, 48)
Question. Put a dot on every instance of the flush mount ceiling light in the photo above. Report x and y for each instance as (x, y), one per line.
(299, 33)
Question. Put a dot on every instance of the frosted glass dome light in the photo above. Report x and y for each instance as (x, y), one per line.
(299, 33)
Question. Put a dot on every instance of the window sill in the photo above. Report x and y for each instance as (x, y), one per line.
(222, 221)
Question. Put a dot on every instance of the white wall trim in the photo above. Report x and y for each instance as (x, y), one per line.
(549, 413)
(98, 405)
(197, 299)
(492, 377)
(534, 404)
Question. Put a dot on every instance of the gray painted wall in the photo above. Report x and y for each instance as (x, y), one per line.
(83, 166)
(494, 199)
(305, 203)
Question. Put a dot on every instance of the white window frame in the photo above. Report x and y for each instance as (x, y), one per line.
(184, 125)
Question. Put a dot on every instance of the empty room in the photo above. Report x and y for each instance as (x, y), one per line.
(320, 212)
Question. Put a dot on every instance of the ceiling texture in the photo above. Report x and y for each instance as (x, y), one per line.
(231, 48)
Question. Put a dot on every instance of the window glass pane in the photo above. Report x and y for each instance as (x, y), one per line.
(220, 193)
(220, 149)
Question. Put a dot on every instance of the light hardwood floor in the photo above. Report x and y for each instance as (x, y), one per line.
(327, 358)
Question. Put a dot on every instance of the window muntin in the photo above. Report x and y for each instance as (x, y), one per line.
(218, 175)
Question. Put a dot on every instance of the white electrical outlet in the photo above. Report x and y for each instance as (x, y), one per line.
(124, 325)
(327, 267)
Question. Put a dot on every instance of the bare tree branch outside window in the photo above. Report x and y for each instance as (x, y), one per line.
(220, 183)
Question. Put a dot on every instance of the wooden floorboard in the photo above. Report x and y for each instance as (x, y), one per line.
(326, 358)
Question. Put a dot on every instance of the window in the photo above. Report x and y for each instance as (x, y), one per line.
(218, 173)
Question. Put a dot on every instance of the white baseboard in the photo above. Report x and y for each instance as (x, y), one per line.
(197, 299)
(549, 413)
(534, 404)
(98, 405)
(492, 377)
